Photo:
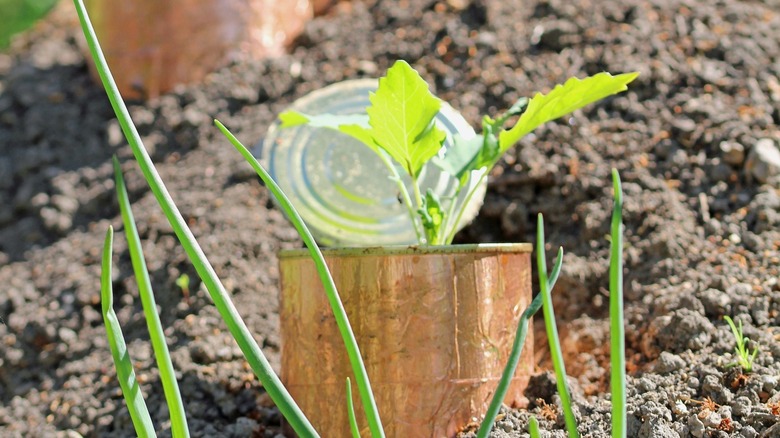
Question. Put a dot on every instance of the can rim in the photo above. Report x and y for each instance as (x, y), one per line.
(477, 248)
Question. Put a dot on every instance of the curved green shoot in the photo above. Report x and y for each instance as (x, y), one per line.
(139, 414)
(238, 329)
(350, 343)
(514, 355)
(156, 334)
(533, 427)
(616, 329)
(552, 334)
(351, 412)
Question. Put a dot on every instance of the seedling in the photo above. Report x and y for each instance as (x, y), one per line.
(745, 357)
(183, 282)
(399, 127)
(533, 427)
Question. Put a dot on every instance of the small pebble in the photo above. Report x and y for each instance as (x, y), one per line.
(769, 383)
(695, 426)
(763, 161)
(748, 432)
(668, 362)
(732, 152)
(741, 406)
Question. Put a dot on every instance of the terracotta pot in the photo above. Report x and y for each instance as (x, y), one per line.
(435, 326)
(153, 45)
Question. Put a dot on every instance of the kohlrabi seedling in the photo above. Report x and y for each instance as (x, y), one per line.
(399, 127)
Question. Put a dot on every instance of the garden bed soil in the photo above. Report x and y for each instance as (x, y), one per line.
(693, 140)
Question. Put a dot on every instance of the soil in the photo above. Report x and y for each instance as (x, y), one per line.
(692, 139)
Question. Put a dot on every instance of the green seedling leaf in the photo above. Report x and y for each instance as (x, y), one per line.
(533, 427)
(401, 117)
(354, 125)
(364, 135)
(154, 325)
(19, 15)
(617, 326)
(563, 99)
(131, 391)
(744, 356)
(292, 118)
(353, 426)
(459, 159)
(432, 216)
(489, 153)
(556, 353)
(399, 121)
(184, 283)
(516, 109)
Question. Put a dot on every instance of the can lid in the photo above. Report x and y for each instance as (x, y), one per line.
(339, 186)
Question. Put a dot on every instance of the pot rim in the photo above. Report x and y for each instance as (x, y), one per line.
(477, 248)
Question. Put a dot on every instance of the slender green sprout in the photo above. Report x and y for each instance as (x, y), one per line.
(533, 427)
(142, 422)
(353, 426)
(617, 330)
(744, 356)
(350, 343)
(156, 334)
(238, 329)
(552, 337)
(184, 284)
(517, 348)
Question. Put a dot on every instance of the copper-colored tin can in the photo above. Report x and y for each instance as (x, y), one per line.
(435, 326)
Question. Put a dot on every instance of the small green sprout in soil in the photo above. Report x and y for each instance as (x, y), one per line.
(183, 283)
(745, 357)
(399, 127)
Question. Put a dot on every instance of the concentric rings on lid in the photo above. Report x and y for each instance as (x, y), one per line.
(341, 189)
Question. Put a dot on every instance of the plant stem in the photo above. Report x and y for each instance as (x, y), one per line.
(131, 390)
(156, 334)
(417, 192)
(443, 234)
(533, 427)
(617, 335)
(418, 200)
(353, 426)
(552, 337)
(395, 176)
(462, 209)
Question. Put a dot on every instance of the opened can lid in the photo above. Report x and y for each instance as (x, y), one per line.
(341, 189)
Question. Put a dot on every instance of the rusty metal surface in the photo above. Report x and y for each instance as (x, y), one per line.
(435, 330)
